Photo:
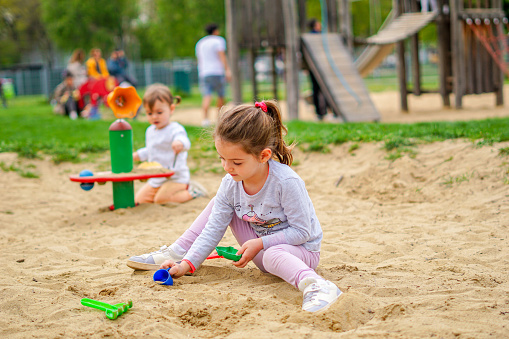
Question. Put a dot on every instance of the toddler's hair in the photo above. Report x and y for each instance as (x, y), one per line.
(256, 130)
(159, 92)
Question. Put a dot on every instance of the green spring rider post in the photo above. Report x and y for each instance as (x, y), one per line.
(124, 101)
(121, 149)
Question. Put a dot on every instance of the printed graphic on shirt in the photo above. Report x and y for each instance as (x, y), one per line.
(253, 218)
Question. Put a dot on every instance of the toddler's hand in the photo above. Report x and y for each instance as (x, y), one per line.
(177, 146)
(249, 250)
(136, 157)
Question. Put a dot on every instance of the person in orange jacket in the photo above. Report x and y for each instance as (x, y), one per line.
(96, 65)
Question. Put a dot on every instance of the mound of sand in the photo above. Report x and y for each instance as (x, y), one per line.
(420, 246)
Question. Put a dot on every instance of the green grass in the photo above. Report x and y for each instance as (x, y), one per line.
(398, 135)
(20, 170)
(503, 151)
(31, 129)
(385, 79)
(353, 147)
(449, 181)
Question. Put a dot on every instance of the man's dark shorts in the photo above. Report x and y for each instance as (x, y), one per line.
(213, 83)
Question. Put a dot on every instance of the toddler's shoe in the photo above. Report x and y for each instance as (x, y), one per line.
(153, 260)
(319, 294)
(197, 190)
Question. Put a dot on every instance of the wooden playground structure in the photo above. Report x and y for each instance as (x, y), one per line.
(466, 65)
(471, 44)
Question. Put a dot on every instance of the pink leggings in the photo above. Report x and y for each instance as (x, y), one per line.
(289, 262)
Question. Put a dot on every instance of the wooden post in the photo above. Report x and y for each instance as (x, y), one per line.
(400, 51)
(443, 47)
(479, 65)
(401, 66)
(303, 20)
(291, 62)
(332, 16)
(233, 51)
(252, 60)
(469, 62)
(458, 57)
(416, 66)
(345, 24)
(499, 94)
(274, 72)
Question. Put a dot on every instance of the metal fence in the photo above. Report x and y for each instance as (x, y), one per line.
(39, 79)
(181, 75)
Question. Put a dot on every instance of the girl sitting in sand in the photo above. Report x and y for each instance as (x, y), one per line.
(167, 144)
(266, 205)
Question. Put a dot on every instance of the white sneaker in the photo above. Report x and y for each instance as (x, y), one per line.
(153, 260)
(73, 115)
(319, 294)
(206, 123)
(197, 190)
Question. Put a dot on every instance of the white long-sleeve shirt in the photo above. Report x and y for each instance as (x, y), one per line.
(158, 148)
(280, 213)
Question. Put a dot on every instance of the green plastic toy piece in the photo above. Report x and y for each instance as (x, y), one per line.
(228, 252)
(121, 153)
(112, 311)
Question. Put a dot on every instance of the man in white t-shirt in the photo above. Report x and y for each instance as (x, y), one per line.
(213, 68)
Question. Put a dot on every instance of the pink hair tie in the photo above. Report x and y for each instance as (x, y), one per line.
(261, 105)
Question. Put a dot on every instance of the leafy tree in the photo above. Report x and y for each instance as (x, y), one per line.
(175, 26)
(20, 30)
(368, 16)
(8, 34)
(87, 24)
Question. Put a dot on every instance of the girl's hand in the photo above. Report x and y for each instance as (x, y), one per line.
(249, 250)
(176, 270)
(177, 146)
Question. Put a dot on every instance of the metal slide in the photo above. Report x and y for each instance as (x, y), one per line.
(382, 43)
(333, 67)
(339, 76)
(371, 57)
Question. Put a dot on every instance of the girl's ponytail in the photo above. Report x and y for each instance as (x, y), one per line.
(282, 151)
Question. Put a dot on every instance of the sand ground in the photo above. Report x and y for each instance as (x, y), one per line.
(420, 246)
(427, 107)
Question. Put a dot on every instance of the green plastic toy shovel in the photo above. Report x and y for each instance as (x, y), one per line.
(228, 253)
(112, 311)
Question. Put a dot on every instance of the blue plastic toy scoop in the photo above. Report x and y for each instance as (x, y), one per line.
(163, 277)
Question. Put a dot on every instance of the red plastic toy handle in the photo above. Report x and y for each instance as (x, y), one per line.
(215, 256)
